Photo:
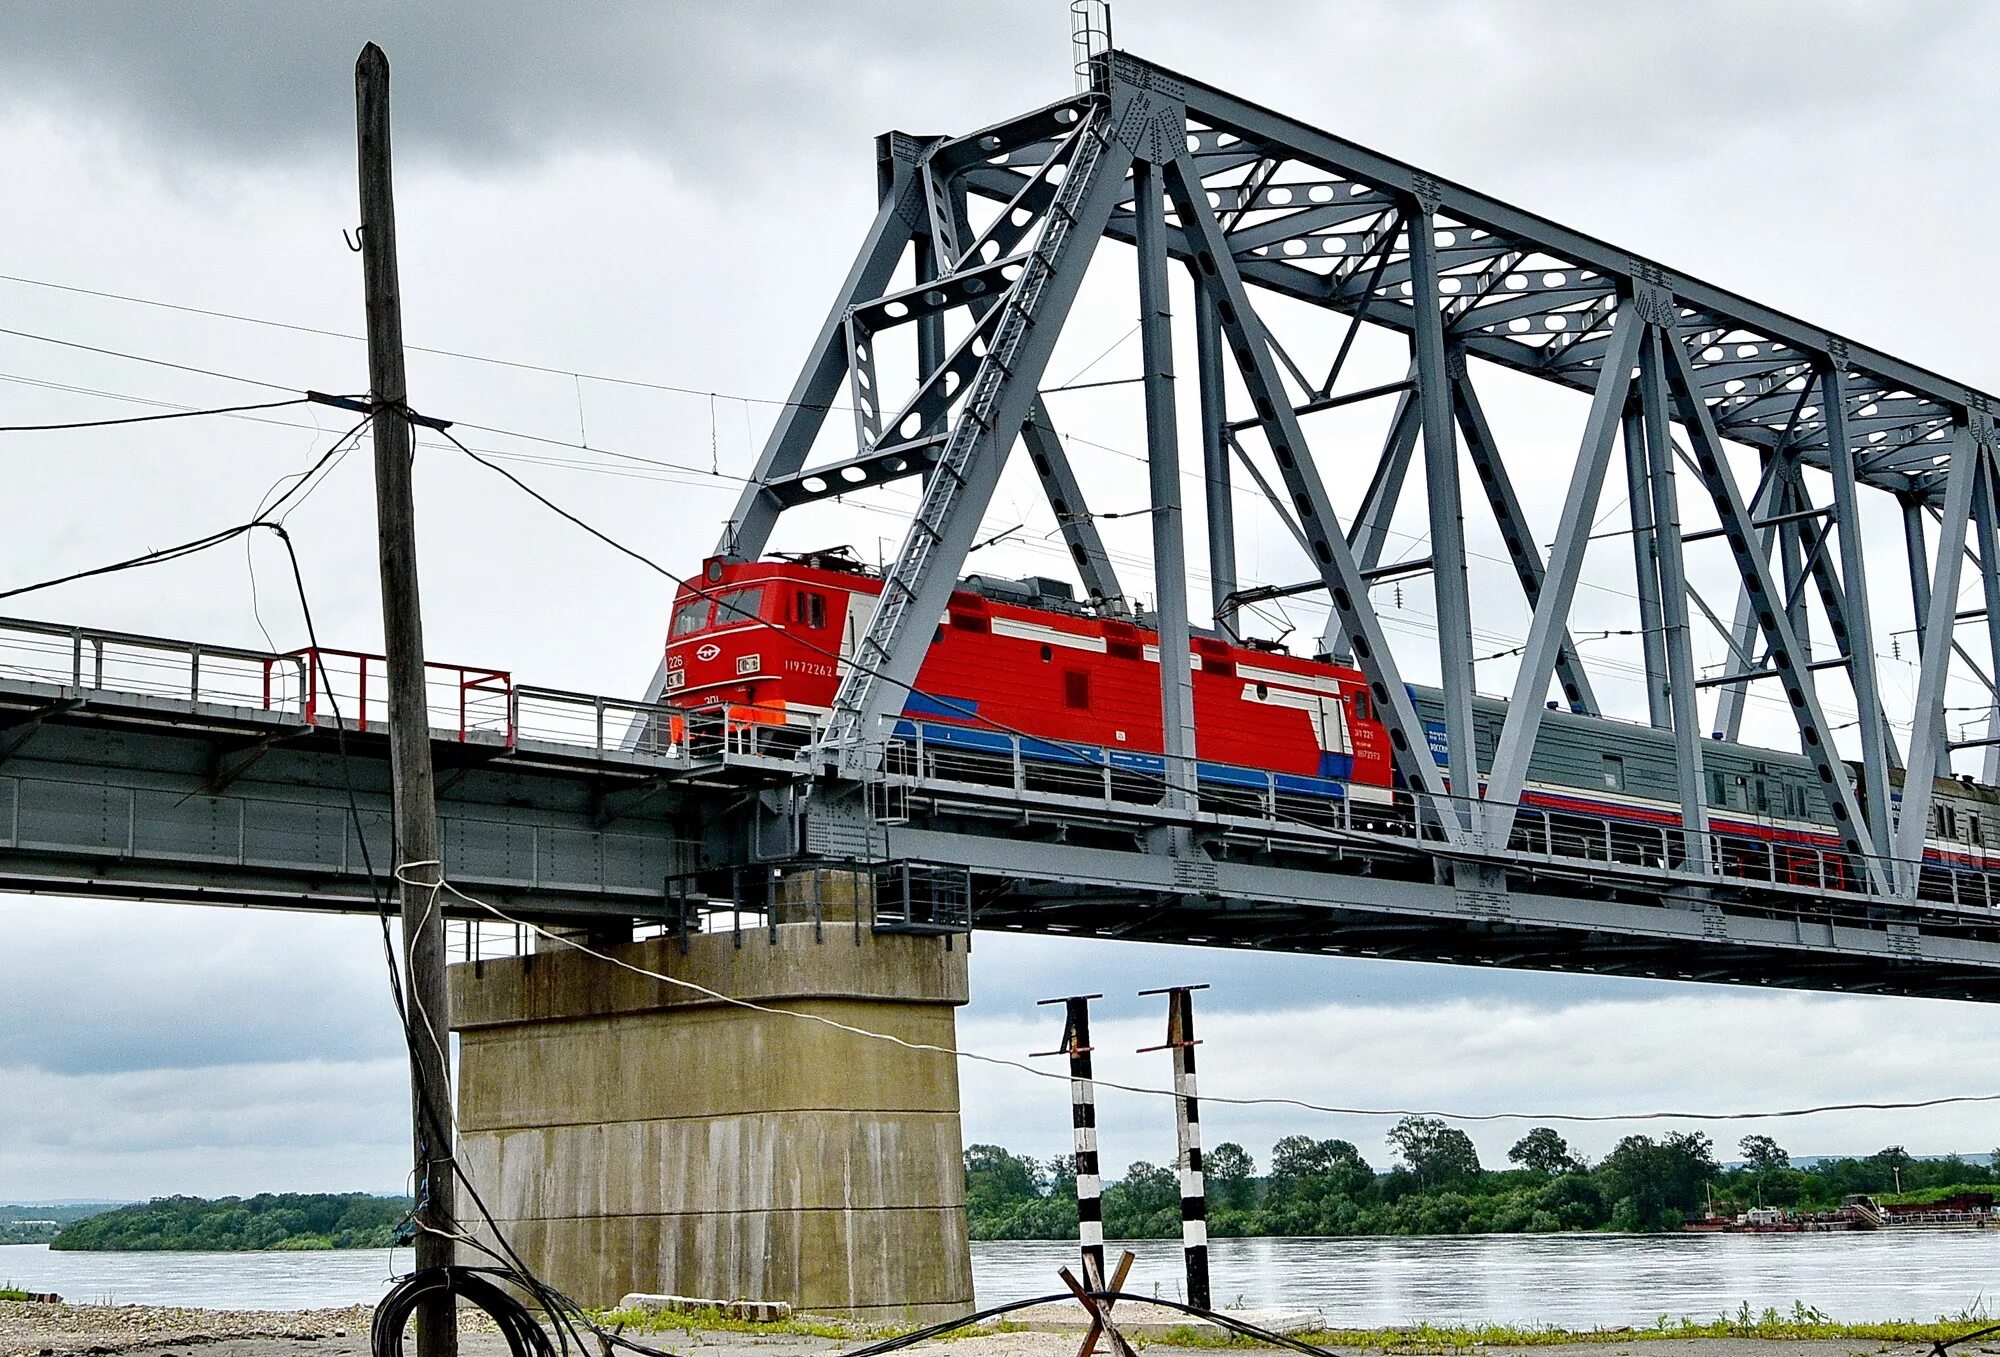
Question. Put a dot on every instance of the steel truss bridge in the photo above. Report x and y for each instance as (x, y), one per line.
(163, 769)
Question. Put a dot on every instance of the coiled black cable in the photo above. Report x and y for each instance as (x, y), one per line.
(525, 1338)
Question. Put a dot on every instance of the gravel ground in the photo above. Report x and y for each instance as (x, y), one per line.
(32, 1330)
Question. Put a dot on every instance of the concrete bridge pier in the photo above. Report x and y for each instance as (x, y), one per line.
(632, 1135)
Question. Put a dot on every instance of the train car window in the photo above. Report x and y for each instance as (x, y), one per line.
(1076, 688)
(809, 608)
(1614, 772)
(1947, 823)
(1263, 691)
(1763, 797)
(1048, 653)
(690, 617)
(1362, 707)
(1974, 833)
(1718, 790)
(745, 605)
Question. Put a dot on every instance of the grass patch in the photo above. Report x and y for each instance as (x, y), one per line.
(1800, 1323)
(713, 1320)
(11, 1292)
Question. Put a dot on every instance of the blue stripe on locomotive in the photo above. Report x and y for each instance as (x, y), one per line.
(1334, 769)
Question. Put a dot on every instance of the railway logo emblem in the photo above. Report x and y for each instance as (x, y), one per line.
(708, 651)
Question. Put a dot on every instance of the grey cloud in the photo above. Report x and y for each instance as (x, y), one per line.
(698, 83)
(95, 988)
(707, 88)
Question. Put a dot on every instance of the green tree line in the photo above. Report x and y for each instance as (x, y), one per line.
(1438, 1186)
(270, 1220)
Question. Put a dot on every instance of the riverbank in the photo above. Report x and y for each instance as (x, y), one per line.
(39, 1330)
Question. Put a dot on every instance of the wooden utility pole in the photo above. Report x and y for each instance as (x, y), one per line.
(424, 992)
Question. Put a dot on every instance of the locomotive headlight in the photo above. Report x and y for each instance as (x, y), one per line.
(749, 664)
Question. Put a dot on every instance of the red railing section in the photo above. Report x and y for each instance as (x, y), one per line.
(474, 701)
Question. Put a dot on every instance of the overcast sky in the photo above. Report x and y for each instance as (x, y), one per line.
(669, 193)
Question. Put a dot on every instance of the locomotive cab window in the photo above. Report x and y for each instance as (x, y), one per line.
(690, 617)
(1361, 706)
(745, 605)
(809, 608)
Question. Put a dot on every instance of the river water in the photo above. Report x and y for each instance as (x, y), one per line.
(1575, 1281)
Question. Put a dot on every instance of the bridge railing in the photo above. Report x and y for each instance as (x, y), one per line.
(475, 703)
(919, 753)
(91, 658)
(605, 725)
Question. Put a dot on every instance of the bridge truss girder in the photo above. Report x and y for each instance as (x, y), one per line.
(1259, 206)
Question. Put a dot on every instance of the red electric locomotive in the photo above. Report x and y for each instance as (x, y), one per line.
(770, 640)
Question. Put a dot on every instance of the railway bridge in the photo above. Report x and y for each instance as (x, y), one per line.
(638, 1136)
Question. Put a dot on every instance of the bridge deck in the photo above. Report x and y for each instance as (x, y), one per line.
(183, 785)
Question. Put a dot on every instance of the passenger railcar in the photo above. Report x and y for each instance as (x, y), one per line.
(1017, 668)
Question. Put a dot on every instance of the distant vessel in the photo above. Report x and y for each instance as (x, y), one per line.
(1966, 1211)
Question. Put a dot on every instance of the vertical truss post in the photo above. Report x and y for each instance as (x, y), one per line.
(1326, 544)
(1447, 513)
(1369, 533)
(1163, 466)
(1815, 735)
(1073, 517)
(748, 531)
(1917, 554)
(1743, 626)
(1554, 591)
(1514, 530)
(1217, 494)
(1792, 555)
(1187, 1125)
(1675, 637)
(1646, 568)
(1986, 519)
(1855, 623)
(1928, 748)
(1083, 1124)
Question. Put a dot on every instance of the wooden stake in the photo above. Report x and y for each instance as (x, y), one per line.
(1089, 1345)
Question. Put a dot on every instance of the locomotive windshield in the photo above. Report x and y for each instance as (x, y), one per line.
(738, 605)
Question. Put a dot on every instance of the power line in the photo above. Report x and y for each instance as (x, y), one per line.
(1006, 1062)
(459, 354)
(142, 358)
(149, 419)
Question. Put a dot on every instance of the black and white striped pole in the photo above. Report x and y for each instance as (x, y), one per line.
(1083, 1119)
(1194, 1196)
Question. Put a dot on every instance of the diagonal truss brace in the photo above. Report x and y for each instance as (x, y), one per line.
(748, 531)
(1546, 633)
(997, 403)
(1927, 738)
(1073, 517)
(1327, 545)
(1815, 735)
(1514, 530)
